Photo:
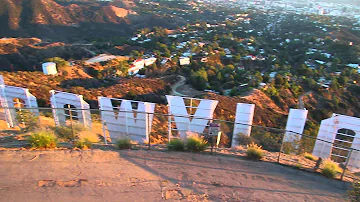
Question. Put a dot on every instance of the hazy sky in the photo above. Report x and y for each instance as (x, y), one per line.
(356, 2)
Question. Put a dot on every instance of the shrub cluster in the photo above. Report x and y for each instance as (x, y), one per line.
(123, 143)
(68, 133)
(330, 169)
(83, 143)
(43, 140)
(245, 140)
(29, 119)
(193, 144)
(309, 156)
(176, 145)
(268, 141)
(254, 152)
(354, 193)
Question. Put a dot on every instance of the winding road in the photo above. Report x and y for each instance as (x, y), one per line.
(301, 103)
(177, 85)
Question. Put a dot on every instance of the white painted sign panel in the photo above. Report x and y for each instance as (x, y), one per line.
(244, 119)
(60, 101)
(204, 113)
(295, 124)
(120, 121)
(329, 129)
(2, 82)
(8, 95)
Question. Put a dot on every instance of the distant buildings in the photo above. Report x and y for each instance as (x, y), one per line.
(139, 64)
(136, 66)
(100, 58)
(184, 61)
(355, 66)
(149, 61)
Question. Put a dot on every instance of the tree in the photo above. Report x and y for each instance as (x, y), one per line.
(311, 83)
(334, 84)
(60, 62)
(199, 79)
(304, 70)
(342, 80)
(266, 77)
(334, 64)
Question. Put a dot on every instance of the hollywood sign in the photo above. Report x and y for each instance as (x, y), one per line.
(133, 119)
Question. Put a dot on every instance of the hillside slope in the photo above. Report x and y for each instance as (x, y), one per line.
(72, 21)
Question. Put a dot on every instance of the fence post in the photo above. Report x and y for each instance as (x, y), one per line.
(104, 132)
(169, 127)
(346, 164)
(281, 147)
(71, 123)
(148, 129)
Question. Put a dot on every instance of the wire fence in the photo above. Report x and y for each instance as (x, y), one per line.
(155, 130)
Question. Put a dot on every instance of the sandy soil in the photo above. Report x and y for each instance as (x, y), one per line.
(141, 175)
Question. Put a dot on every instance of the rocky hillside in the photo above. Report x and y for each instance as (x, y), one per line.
(61, 20)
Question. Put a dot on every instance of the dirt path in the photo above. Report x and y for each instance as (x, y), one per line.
(301, 102)
(142, 175)
(177, 85)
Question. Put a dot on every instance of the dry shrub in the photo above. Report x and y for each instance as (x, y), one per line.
(176, 145)
(195, 143)
(43, 140)
(83, 143)
(330, 169)
(69, 133)
(354, 193)
(29, 119)
(254, 152)
(244, 139)
(123, 143)
(310, 156)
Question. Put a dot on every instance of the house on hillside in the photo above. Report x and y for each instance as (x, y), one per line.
(100, 58)
(150, 61)
(164, 61)
(272, 75)
(184, 61)
(355, 66)
(320, 62)
(136, 66)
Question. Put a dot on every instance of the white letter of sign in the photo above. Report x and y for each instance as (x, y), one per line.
(244, 118)
(124, 124)
(7, 96)
(204, 112)
(295, 123)
(59, 100)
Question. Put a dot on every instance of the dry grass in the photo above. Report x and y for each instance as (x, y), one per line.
(310, 156)
(254, 152)
(330, 169)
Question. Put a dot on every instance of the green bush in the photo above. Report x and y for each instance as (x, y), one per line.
(123, 143)
(330, 169)
(310, 157)
(354, 193)
(244, 139)
(83, 143)
(176, 145)
(29, 119)
(43, 140)
(68, 133)
(268, 141)
(298, 166)
(195, 144)
(254, 152)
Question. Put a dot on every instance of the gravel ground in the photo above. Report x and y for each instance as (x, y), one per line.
(141, 175)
